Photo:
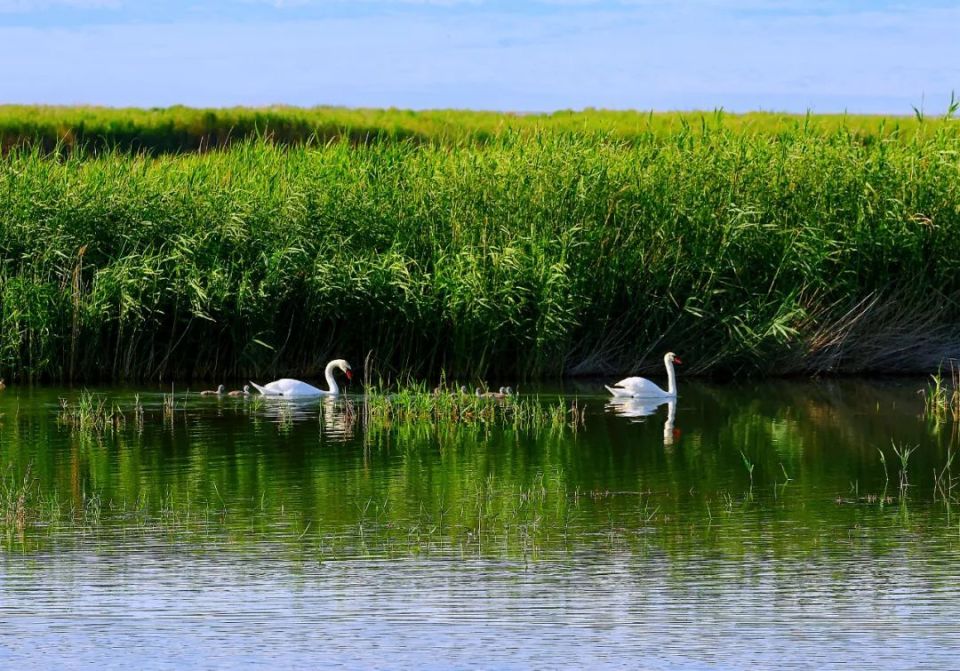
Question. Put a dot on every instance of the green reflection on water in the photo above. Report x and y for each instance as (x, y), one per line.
(241, 474)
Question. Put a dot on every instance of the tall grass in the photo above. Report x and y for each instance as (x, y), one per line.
(413, 403)
(184, 129)
(942, 395)
(536, 252)
(93, 413)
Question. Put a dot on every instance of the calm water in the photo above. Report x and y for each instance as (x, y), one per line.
(242, 535)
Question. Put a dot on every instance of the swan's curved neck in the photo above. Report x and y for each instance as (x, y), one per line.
(331, 382)
(671, 379)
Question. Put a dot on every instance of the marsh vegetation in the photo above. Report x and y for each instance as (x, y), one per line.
(802, 247)
(183, 129)
(230, 245)
(942, 395)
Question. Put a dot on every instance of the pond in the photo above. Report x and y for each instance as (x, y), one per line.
(788, 524)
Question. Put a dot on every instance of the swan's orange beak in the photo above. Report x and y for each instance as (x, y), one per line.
(349, 374)
(677, 360)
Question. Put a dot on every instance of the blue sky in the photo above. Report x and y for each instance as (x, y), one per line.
(525, 55)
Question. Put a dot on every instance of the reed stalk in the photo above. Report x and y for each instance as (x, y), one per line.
(811, 246)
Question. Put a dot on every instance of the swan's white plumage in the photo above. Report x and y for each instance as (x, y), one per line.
(288, 387)
(635, 387)
(641, 387)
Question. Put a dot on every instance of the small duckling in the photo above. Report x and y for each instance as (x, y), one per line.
(502, 393)
(464, 390)
(244, 392)
(218, 392)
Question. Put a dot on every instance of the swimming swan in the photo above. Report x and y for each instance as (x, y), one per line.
(287, 387)
(641, 387)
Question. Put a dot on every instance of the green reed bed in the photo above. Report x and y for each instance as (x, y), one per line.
(535, 253)
(378, 409)
(417, 404)
(91, 412)
(183, 129)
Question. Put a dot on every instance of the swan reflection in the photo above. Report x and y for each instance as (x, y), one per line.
(636, 409)
(336, 415)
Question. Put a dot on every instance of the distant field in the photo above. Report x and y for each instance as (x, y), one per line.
(179, 129)
(521, 246)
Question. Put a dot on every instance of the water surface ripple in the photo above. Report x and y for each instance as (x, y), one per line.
(237, 534)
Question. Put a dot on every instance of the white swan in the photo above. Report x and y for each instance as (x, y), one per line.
(641, 387)
(287, 387)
